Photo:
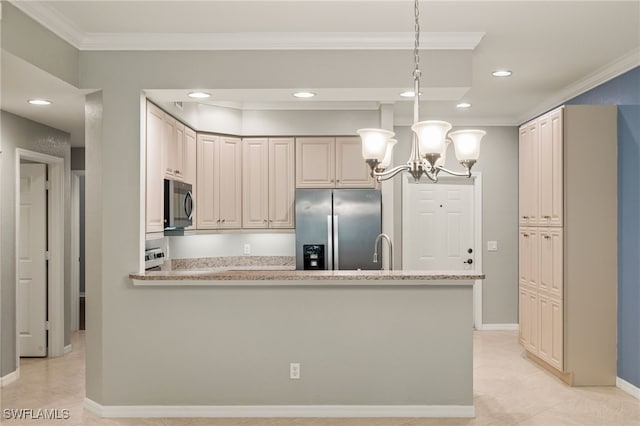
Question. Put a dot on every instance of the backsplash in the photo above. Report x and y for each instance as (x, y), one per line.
(232, 244)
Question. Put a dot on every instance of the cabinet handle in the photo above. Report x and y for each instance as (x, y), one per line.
(525, 235)
(546, 217)
(546, 237)
(218, 221)
(177, 172)
(222, 220)
(264, 221)
(525, 217)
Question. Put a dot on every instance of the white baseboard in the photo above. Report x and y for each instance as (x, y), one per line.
(9, 378)
(279, 410)
(499, 327)
(68, 348)
(629, 388)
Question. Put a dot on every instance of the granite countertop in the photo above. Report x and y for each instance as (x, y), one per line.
(258, 273)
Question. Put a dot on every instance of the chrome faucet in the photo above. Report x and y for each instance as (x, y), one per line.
(375, 249)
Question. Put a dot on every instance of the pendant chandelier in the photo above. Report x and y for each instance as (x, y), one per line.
(430, 138)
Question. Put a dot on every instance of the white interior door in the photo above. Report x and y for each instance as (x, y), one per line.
(32, 268)
(438, 229)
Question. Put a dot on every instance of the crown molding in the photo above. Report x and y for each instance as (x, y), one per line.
(278, 41)
(603, 74)
(52, 19)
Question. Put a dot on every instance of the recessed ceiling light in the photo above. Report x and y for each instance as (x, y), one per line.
(199, 95)
(463, 105)
(304, 94)
(501, 73)
(39, 102)
(409, 94)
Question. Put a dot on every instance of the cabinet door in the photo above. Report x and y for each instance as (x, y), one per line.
(207, 213)
(177, 150)
(190, 168)
(315, 162)
(351, 169)
(281, 182)
(528, 317)
(154, 185)
(524, 257)
(551, 169)
(255, 183)
(228, 188)
(189, 156)
(533, 252)
(169, 145)
(551, 262)
(551, 331)
(529, 163)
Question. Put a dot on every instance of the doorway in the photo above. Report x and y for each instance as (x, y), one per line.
(39, 213)
(78, 312)
(442, 228)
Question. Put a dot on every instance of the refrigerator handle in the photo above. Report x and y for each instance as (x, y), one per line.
(329, 253)
(336, 240)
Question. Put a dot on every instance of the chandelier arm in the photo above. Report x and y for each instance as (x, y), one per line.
(451, 172)
(388, 174)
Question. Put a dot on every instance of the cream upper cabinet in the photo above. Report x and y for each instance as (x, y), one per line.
(189, 156)
(528, 176)
(550, 169)
(219, 182)
(327, 162)
(351, 169)
(228, 186)
(255, 183)
(176, 160)
(207, 208)
(315, 162)
(529, 255)
(169, 146)
(268, 183)
(154, 188)
(281, 182)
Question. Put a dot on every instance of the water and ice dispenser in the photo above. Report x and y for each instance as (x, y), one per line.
(313, 256)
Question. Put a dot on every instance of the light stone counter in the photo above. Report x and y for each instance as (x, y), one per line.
(261, 275)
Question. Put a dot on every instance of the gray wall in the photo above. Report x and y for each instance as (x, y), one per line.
(498, 164)
(18, 132)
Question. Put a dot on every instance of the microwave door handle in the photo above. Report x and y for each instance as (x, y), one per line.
(188, 205)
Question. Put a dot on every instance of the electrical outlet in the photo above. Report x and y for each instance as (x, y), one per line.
(247, 248)
(294, 370)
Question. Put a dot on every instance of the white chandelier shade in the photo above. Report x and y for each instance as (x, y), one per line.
(467, 144)
(386, 161)
(431, 135)
(374, 143)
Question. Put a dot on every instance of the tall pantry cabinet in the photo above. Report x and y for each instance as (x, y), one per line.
(568, 242)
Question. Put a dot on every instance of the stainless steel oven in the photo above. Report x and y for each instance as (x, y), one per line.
(178, 204)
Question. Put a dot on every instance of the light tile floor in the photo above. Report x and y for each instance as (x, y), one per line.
(509, 390)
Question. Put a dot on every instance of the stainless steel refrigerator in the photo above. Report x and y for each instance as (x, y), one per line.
(337, 228)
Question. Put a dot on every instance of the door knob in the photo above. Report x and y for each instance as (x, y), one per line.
(469, 261)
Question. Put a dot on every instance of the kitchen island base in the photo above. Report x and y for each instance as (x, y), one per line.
(376, 349)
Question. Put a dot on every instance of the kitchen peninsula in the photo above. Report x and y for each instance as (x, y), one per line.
(368, 343)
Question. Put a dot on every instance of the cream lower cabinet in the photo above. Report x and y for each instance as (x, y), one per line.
(328, 162)
(268, 182)
(568, 243)
(219, 182)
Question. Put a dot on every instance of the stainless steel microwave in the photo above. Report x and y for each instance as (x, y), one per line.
(178, 204)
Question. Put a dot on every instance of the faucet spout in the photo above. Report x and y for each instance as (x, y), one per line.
(375, 249)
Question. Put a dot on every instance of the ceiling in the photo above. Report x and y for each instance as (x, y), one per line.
(556, 50)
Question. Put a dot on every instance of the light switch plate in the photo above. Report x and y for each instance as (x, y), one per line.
(492, 245)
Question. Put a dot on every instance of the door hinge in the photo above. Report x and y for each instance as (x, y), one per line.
(46, 185)
(46, 325)
(46, 255)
